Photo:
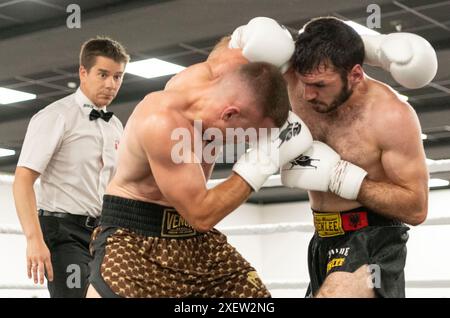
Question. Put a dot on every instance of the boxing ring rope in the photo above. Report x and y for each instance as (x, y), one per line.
(22, 287)
(434, 166)
(269, 284)
(409, 284)
(261, 229)
(439, 166)
(10, 230)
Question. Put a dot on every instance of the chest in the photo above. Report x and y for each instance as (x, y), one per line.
(351, 136)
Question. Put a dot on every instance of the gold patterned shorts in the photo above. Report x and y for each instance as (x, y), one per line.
(127, 263)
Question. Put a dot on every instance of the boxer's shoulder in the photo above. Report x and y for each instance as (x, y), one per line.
(193, 75)
(155, 132)
(229, 60)
(390, 116)
(219, 63)
(161, 102)
(163, 114)
(383, 101)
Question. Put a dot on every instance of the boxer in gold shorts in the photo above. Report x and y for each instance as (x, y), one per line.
(148, 250)
(156, 235)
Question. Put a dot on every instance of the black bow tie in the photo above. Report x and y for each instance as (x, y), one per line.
(95, 114)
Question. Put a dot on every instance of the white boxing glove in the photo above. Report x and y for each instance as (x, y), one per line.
(409, 58)
(320, 168)
(270, 152)
(264, 40)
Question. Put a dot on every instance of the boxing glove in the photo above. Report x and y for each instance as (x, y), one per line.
(320, 168)
(409, 58)
(271, 151)
(264, 40)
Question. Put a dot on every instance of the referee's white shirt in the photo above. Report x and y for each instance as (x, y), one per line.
(76, 157)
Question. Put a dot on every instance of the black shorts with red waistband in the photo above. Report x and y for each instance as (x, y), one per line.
(344, 241)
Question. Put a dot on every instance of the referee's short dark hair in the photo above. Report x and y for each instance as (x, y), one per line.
(102, 46)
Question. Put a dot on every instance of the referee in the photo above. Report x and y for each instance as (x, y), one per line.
(72, 146)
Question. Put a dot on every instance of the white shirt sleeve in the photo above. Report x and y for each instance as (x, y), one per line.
(44, 136)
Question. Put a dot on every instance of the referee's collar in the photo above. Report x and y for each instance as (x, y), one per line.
(85, 103)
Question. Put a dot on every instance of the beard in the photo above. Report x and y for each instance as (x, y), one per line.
(340, 99)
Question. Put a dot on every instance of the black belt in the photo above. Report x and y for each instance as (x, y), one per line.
(148, 219)
(87, 221)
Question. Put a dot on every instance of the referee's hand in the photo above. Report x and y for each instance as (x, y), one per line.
(38, 261)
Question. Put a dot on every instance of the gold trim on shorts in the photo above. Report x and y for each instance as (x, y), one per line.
(174, 225)
(328, 224)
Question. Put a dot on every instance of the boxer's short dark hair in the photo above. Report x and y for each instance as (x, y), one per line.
(328, 42)
(269, 88)
(102, 46)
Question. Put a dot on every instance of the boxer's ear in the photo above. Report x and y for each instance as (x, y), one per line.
(230, 112)
(356, 75)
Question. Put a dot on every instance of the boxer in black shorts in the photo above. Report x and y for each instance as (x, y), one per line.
(367, 163)
(346, 241)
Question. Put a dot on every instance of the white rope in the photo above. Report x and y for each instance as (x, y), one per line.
(439, 166)
(296, 227)
(286, 285)
(10, 229)
(409, 284)
(434, 166)
(270, 285)
(428, 284)
(6, 179)
(21, 287)
(267, 228)
(438, 221)
(259, 229)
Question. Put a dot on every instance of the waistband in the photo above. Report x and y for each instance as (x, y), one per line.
(329, 224)
(84, 220)
(148, 219)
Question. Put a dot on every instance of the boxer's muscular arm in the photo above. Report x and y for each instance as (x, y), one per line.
(403, 160)
(184, 184)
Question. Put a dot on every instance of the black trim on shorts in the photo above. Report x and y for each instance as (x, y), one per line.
(144, 218)
(95, 278)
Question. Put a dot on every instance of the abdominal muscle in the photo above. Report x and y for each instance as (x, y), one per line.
(329, 202)
(134, 178)
(145, 190)
(137, 183)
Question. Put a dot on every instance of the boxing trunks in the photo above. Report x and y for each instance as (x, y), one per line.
(142, 249)
(345, 241)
